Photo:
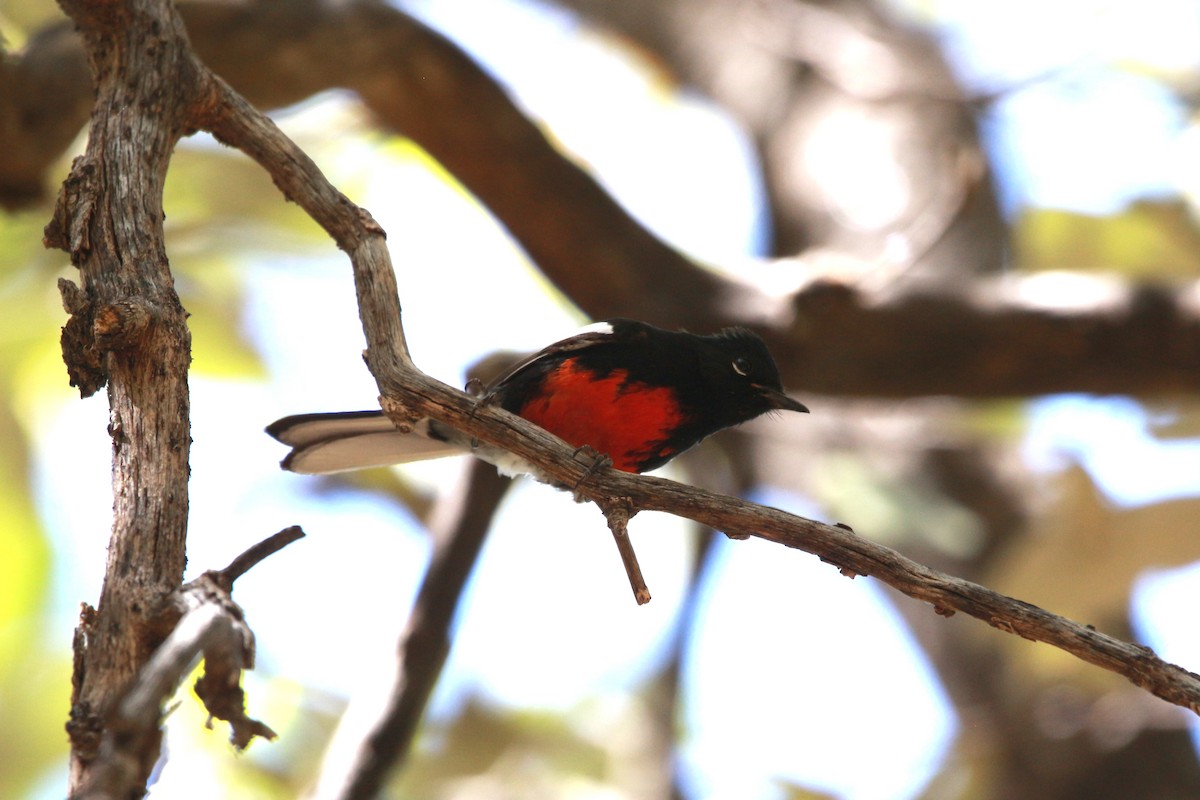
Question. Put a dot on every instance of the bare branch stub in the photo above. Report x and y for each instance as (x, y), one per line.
(617, 513)
(251, 557)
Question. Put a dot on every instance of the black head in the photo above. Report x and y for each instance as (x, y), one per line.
(741, 377)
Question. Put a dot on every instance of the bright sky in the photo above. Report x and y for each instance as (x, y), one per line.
(786, 640)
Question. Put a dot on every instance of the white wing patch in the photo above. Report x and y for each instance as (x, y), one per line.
(604, 328)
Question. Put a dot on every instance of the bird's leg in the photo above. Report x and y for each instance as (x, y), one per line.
(598, 460)
(475, 389)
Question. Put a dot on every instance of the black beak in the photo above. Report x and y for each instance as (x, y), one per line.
(780, 401)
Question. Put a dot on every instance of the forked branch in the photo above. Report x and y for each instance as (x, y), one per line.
(204, 621)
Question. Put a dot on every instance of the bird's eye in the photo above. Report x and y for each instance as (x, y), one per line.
(741, 365)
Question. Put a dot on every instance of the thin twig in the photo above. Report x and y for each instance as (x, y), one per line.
(249, 559)
(618, 513)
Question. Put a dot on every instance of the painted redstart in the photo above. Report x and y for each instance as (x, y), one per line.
(639, 394)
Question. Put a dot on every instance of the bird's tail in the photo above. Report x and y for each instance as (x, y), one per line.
(338, 442)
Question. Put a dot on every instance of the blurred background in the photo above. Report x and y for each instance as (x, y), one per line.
(888, 146)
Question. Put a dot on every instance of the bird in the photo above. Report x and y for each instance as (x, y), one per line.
(633, 393)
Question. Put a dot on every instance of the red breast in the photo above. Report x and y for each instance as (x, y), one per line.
(628, 420)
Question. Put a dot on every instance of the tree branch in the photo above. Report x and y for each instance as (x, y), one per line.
(407, 395)
(617, 514)
(255, 555)
(1015, 336)
(203, 620)
(837, 545)
(998, 339)
(128, 331)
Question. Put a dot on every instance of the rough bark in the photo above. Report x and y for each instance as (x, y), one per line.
(128, 332)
